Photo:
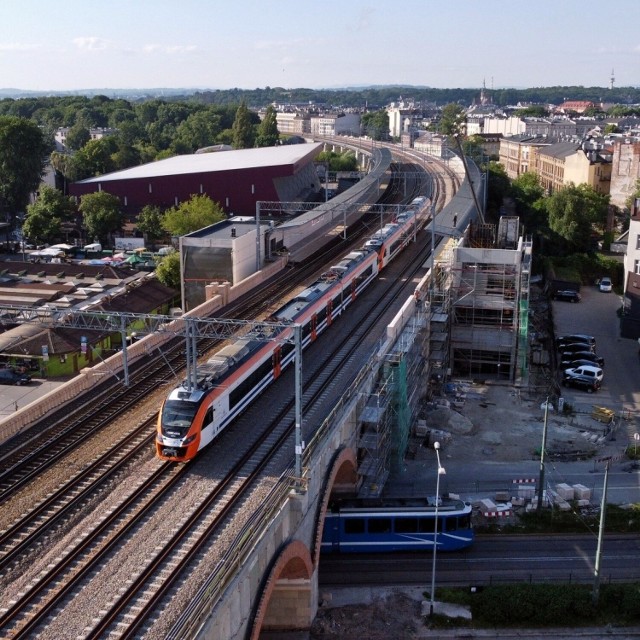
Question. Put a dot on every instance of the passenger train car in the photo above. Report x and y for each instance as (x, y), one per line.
(193, 415)
(367, 525)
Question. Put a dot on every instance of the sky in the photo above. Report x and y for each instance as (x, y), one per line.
(248, 44)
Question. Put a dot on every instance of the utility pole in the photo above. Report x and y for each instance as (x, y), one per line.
(544, 444)
(603, 510)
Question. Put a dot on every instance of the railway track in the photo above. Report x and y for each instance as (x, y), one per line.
(123, 617)
(31, 453)
(16, 542)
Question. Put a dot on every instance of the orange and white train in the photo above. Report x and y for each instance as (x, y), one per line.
(194, 414)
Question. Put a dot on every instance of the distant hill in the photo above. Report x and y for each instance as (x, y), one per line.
(129, 94)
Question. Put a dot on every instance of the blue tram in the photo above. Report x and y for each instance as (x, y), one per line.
(368, 525)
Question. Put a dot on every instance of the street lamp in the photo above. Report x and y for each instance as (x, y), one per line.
(441, 472)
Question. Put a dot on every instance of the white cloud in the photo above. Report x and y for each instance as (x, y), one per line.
(90, 43)
(171, 49)
(18, 46)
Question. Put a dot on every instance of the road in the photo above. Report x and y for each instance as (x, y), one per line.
(500, 558)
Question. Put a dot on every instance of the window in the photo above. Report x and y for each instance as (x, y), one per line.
(354, 526)
(406, 525)
(636, 266)
(638, 241)
(380, 525)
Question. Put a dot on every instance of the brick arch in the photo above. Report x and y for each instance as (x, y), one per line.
(342, 476)
(293, 564)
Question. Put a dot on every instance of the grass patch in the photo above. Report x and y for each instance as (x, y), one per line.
(543, 605)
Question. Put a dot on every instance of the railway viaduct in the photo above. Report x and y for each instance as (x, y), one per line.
(268, 580)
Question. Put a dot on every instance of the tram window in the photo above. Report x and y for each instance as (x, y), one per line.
(208, 417)
(427, 525)
(464, 522)
(354, 526)
(451, 523)
(380, 525)
(406, 525)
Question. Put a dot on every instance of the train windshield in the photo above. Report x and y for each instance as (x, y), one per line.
(178, 415)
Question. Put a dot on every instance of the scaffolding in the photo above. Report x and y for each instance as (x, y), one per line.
(490, 311)
(390, 410)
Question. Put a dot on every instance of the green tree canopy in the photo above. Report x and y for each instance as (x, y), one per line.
(101, 214)
(375, 124)
(45, 216)
(527, 193)
(77, 136)
(573, 213)
(451, 119)
(338, 161)
(150, 222)
(196, 213)
(168, 270)
(23, 154)
(268, 134)
(533, 111)
(243, 132)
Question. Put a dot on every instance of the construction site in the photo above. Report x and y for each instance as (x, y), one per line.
(470, 322)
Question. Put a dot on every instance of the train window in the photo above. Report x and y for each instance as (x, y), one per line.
(380, 525)
(451, 523)
(178, 413)
(427, 525)
(208, 417)
(406, 525)
(354, 526)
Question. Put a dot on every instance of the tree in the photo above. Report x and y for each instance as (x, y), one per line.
(573, 213)
(168, 270)
(77, 136)
(196, 213)
(44, 219)
(243, 134)
(376, 124)
(268, 134)
(101, 214)
(451, 119)
(23, 152)
(150, 222)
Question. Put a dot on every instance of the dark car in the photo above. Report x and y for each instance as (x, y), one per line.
(581, 362)
(573, 347)
(567, 296)
(572, 356)
(576, 337)
(586, 383)
(9, 376)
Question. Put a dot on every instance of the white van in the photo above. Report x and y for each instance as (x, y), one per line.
(94, 247)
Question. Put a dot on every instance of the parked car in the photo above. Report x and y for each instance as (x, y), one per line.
(578, 363)
(588, 370)
(586, 383)
(567, 296)
(567, 358)
(9, 376)
(576, 337)
(575, 346)
(605, 285)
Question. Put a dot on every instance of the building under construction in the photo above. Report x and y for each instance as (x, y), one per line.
(472, 322)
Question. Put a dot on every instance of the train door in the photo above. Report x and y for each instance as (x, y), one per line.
(276, 359)
(329, 312)
(354, 284)
(313, 327)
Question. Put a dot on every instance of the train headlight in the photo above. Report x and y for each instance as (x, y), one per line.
(189, 440)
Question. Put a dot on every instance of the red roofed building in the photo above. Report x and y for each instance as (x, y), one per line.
(235, 179)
